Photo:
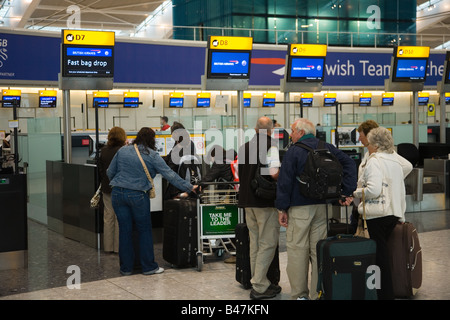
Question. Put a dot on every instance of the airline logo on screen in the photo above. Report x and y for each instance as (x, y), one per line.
(230, 43)
(413, 52)
(89, 38)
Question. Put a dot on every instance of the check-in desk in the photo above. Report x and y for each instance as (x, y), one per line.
(70, 188)
(427, 188)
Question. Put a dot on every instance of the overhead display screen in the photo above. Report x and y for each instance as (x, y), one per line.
(388, 101)
(247, 102)
(268, 102)
(229, 64)
(102, 102)
(8, 101)
(306, 102)
(203, 102)
(423, 101)
(87, 54)
(329, 102)
(176, 102)
(412, 70)
(130, 102)
(47, 102)
(306, 69)
(365, 101)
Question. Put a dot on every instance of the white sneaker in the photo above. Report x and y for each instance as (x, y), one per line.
(156, 271)
(302, 298)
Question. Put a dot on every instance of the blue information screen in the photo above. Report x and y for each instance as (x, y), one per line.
(307, 102)
(8, 104)
(447, 100)
(411, 69)
(131, 102)
(79, 61)
(328, 102)
(306, 69)
(365, 102)
(203, 102)
(225, 64)
(423, 101)
(268, 102)
(176, 102)
(47, 102)
(247, 102)
(102, 102)
(387, 101)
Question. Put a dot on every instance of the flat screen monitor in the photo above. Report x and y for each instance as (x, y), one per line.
(47, 102)
(102, 102)
(176, 102)
(365, 102)
(229, 64)
(203, 102)
(329, 102)
(306, 102)
(447, 100)
(268, 102)
(410, 70)
(423, 101)
(387, 101)
(131, 102)
(87, 61)
(8, 101)
(306, 69)
(247, 102)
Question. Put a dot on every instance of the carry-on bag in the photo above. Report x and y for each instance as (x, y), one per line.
(342, 263)
(243, 269)
(405, 255)
(180, 232)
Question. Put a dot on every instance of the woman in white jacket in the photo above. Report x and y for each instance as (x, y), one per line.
(382, 182)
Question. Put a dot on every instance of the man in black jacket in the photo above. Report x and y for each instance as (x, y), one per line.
(260, 213)
(307, 220)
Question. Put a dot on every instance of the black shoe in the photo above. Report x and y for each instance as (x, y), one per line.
(269, 293)
(276, 288)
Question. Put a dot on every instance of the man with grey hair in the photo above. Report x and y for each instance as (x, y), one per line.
(260, 213)
(305, 218)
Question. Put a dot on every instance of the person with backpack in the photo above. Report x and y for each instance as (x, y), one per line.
(302, 196)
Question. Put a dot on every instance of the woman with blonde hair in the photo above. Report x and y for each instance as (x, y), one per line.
(382, 189)
(116, 140)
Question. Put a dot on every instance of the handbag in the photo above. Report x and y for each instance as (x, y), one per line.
(152, 193)
(95, 200)
(361, 230)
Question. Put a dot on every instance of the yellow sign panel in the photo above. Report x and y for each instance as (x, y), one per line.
(388, 95)
(270, 95)
(431, 110)
(307, 95)
(203, 95)
(89, 38)
(424, 94)
(47, 93)
(177, 94)
(310, 50)
(329, 95)
(16, 93)
(247, 95)
(101, 94)
(413, 52)
(365, 95)
(230, 43)
(131, 94)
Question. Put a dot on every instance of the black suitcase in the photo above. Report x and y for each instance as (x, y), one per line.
(243, 271)
(180, 232)
(343, 262)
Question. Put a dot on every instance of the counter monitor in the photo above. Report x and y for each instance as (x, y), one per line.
(224, 64)
(102, 102)
(176, 102)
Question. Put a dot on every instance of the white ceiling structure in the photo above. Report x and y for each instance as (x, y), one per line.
(132, 17)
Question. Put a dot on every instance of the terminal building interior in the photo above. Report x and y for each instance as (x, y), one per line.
(153, 59)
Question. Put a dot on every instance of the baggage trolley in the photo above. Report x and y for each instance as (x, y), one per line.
(217, 217)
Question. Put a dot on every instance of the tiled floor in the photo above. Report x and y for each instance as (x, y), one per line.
(50, 254)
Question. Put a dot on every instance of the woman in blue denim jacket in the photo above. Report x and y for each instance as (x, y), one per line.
(130, 199)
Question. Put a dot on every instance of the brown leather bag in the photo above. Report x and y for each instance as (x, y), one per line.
(406, 260)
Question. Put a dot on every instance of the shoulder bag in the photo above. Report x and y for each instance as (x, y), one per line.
(152, 193)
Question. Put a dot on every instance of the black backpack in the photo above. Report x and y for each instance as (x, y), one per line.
(321, 178)
(264, 186)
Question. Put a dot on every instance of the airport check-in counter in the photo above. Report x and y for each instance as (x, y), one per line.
(427, 188)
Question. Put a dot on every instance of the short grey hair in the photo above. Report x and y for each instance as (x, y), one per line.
(264, 123)
(382, 139)
(305, 125)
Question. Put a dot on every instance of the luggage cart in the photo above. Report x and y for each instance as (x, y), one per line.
(217, 217)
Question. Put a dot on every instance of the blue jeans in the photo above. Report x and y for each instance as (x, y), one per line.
(133, 206)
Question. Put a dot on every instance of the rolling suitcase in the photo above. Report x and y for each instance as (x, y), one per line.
(406, 260)
(342, 263)
(180, 232)
(243, 269)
